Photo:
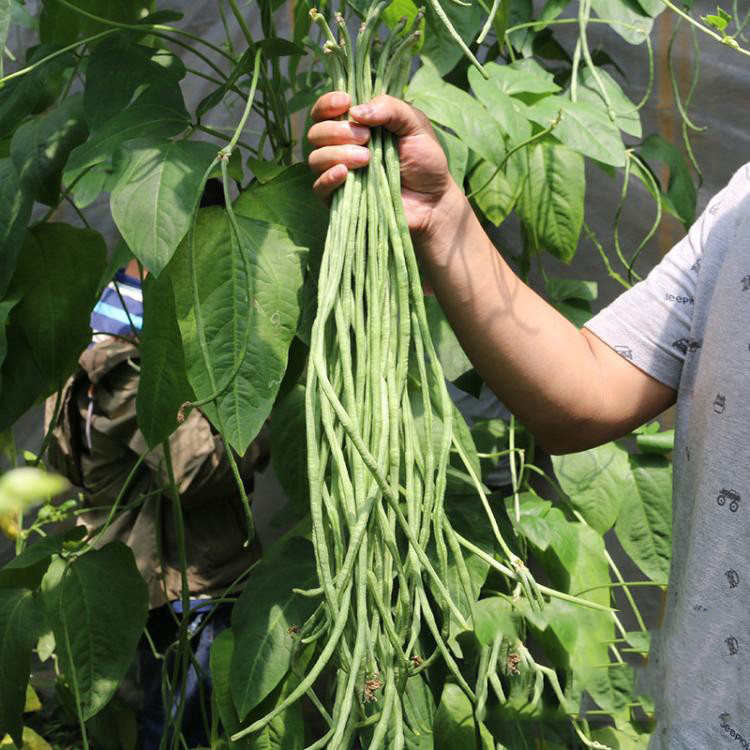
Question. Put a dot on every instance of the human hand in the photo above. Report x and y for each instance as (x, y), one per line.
(341, 145)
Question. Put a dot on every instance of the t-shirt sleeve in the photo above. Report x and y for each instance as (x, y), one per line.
(650, 323)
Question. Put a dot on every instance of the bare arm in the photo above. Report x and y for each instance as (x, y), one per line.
(567, 386)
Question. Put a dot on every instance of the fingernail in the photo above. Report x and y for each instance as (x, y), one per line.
(361, 110)
(359, 154)
(360, 132)
(339, 100)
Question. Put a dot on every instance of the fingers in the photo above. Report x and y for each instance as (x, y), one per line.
(338, 132)
(394, 114)
(322, 159)
(330, 180)
(330, 106)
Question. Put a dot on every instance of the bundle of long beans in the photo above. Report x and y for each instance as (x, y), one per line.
(379, 437)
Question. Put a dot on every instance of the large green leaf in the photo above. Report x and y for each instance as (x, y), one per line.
(156, 194)
(495, 93)
(6, 305)
(286, 731)
(23, 383)
(493, 192)
(455, 109)
(454, 726)
(117, 68)
(628, 18)
(440, 48)
(15, 213)
(261, 622)
(158, 112)
(583, 126)
(163, 386)
(34, 91)
(55, 257)
(680, 195)
(452, 357)
(262, 310)
(597, 481)
(28, 569)
(289, 446)
(288, 200)
(40, 148)
(551, 202)
(59, 24)
(494, 617)
(644, 526)
(457, 153)
(97, 605)
(21, 623)
(627, 117)
(5, 7)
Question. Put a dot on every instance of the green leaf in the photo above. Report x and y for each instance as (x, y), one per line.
(156, 194)
(596, 481)
(493, 192)
(117, 68)
(22, 380)
(644, 526)
(659, 442)
(455, 109)
(21, 622)
(55, 257)
(583, 127)
(40, 148)
(97, 604)
(274, 46)
(419, 711)
(552, 198)
(456, 152)
(631, 23)
(5, 14)
(719, 23)
(439, 46)
(520, 77)
(454, 725)
(6, 306)
(494, 617)
(62, 25)
(158, 112)
(262, 311)
(15, 213)
(27, 570)
(681, 193)
(627, 116)
(452, 357)
(289, 446)
(510, 113)
(288, 200)
(261, 620)
(163, 386)
(34, 91)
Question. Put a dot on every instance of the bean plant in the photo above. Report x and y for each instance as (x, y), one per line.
(415, 600)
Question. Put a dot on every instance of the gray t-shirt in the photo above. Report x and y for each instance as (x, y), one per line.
(688, 325)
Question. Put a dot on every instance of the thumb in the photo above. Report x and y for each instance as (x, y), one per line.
(394, 114)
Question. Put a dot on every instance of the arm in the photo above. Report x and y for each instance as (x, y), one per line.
(570, 388)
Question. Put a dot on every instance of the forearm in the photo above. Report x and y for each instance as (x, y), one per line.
(534, 359)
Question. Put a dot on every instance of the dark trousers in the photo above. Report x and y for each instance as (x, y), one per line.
(164, 631)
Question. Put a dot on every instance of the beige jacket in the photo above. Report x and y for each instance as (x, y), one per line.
(96, 443)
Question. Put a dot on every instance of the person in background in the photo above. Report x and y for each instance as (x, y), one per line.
(96, 443)
(680, 336)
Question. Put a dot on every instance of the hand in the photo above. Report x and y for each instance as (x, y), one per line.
(340, 145)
